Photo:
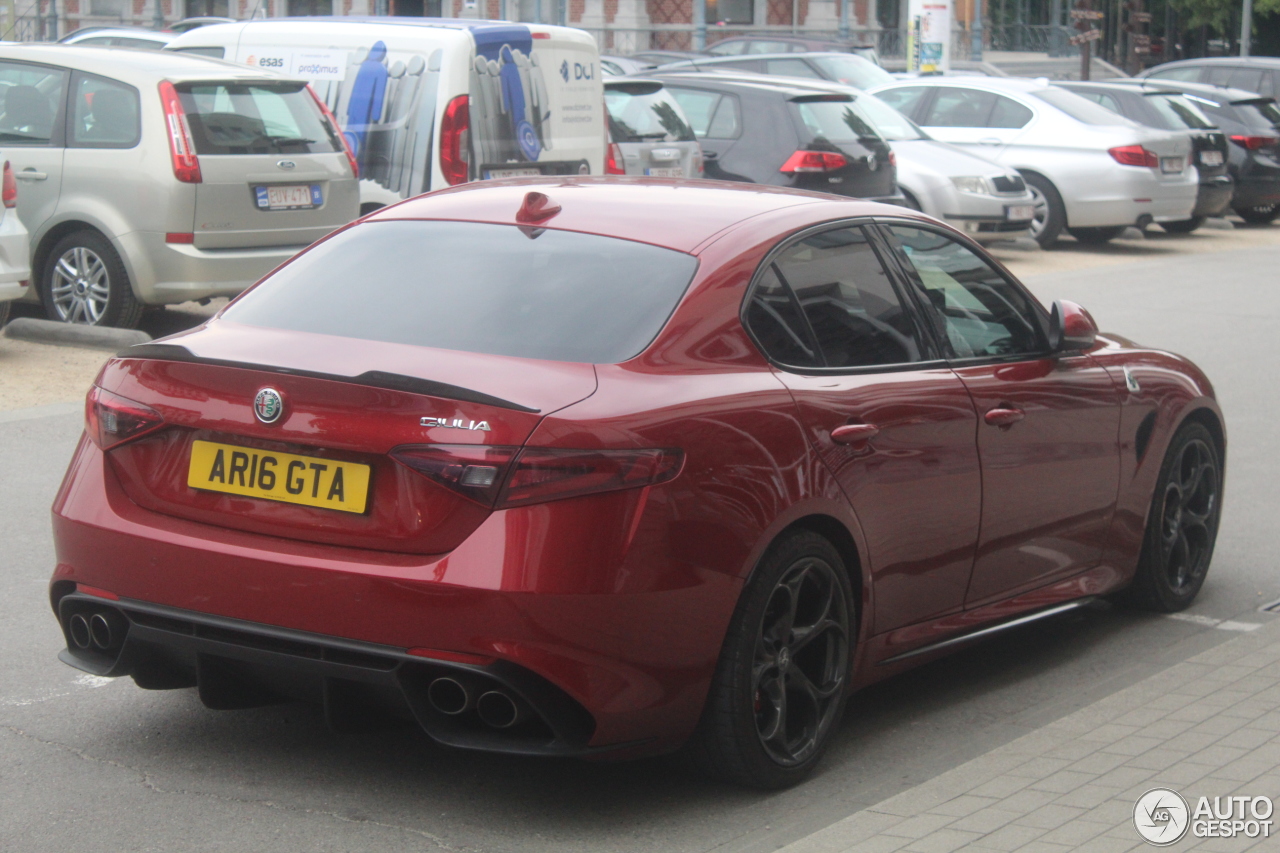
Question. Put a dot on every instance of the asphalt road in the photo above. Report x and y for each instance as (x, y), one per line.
(88, 765)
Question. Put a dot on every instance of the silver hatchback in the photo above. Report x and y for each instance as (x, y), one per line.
(150, 178)
(648, 132)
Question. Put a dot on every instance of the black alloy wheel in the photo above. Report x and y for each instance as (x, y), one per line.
(783, 677)
(1096, 236)
(1263, 214)
(1183, 226)
(1183, 523)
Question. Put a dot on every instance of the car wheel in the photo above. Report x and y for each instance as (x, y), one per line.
(1182, 525)
(1051, 215)
(1183, 226)
(85, 282)
(1262, 215)
(1096, 236)
(783, 676)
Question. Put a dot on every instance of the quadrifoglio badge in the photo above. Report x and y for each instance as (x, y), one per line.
(1163, 817)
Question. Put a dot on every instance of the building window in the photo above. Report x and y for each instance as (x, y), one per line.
(304, 8)
(730, 11)
(107, 8)
(208, 8)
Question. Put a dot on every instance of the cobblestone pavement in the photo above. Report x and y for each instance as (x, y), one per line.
(1209, 726)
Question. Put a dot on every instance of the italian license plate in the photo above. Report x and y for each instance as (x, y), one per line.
(1170, 165)
(1019, 212)
(666, 172)
(291, 197)
(284, 477)
(1211, 158)
(514, 173)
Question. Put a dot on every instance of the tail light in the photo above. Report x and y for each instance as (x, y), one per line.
(613, 163)
(455, 141)
(111, 419)
(508, 476)
(10, 194)
(186, 165)
(337, 131)
(814, 161)
(1253, 143)
(1134, 155)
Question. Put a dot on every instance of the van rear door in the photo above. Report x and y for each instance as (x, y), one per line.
(273, 170)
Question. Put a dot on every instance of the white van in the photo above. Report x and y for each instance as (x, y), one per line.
(426, 103)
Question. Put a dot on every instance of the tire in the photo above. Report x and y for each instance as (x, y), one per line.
(1051, 214)
(1097, 236)
(912, 202)
(1183, 226)
(4, 314)
(1263, 215)
(85, 282)
(1182, 524)
(778, 695)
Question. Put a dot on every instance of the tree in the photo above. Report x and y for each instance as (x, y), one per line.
(1219, 14)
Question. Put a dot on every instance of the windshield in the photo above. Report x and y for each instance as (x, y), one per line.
(1177, 111)
(1082, 109)
(836, 121)
(853, 71)
(639, 113)
(498, 289)
(255, 118)
(893, 125)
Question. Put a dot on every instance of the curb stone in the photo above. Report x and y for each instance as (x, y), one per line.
(73, 335)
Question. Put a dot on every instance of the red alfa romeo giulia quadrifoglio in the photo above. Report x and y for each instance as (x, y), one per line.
(604, 467)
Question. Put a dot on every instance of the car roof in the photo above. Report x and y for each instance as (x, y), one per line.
(1129, 86)
(1208, 90)
(123, 62)
(456, 24)
(724, 60)
(999, 84)
(788, 87)
(640, 209)
(128, 32)
(1261, 61)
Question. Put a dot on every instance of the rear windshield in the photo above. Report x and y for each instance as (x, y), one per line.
(836, 121)
(256, 118)
(1081, 109)
(640, 113)
(497, 289)
(1178, 112)
(1261, 114)
(891, 124)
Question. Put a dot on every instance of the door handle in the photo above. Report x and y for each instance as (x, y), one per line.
(854, 433)
(709, 155)
(32, 175)
(1004, 417)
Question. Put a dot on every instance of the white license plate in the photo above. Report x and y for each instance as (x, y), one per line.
(288, 197)
(1211, 158)
(1170, 165)
(515, 173)
(665, 172)
(1019, 212)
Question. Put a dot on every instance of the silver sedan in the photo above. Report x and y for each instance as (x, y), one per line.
(1093, 172)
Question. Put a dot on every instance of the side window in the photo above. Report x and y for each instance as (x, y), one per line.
(699, 107)
(759, 47)
(211, 52)
(960, 108)
(32, 96)
(904, 100)
(104, 114)
(849, 304)
(774, 319)
(744, 65)
(790, 68)
(1101, 99)
(1009, 113)
(1249, 79)
(976, 311)
(727, 122)
(1217, 75)
(727, 48)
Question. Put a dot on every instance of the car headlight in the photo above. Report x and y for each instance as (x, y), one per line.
(973, 184)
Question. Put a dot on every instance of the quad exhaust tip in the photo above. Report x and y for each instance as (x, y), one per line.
(103, 630)
(450, 696)
(497, 709)
(81, 634)
(500, 710)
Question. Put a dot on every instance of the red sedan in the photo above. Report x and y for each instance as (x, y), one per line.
(604, 467)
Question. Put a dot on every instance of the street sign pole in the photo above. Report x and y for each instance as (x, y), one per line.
(1084, 16)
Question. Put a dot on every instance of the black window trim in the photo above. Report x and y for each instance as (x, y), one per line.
(69, 115)
(909, 274)
(57, 134)
(875, 238)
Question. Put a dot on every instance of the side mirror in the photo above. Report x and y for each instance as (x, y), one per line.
(1071, 327)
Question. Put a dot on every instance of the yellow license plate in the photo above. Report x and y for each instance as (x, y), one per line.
(306, 480)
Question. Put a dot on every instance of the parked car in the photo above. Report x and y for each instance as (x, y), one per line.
(431, 103)
(959, 68)
(1252, 124)
(193, 23)
(784, 132)
(1259, 74)
(1167, 109)
(648, 132)
(984, 200)
(151, 178)
(621, 66)
(627, 465)
(1093, 172)
(15, 268)
(774, 43)
(135, 37)
(834, 67)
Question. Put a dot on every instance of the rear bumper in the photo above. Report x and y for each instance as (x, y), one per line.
(1214, 198)
(15, 256)
(524, 590)
(1256, 191)
(165, 273)
(1128, 195)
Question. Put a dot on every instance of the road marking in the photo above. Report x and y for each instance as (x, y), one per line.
(84, 679)
(1210, 622)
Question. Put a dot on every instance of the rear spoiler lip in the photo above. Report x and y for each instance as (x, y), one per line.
(370, 378)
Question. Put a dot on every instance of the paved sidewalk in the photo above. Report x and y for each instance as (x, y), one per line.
(1209, 726)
